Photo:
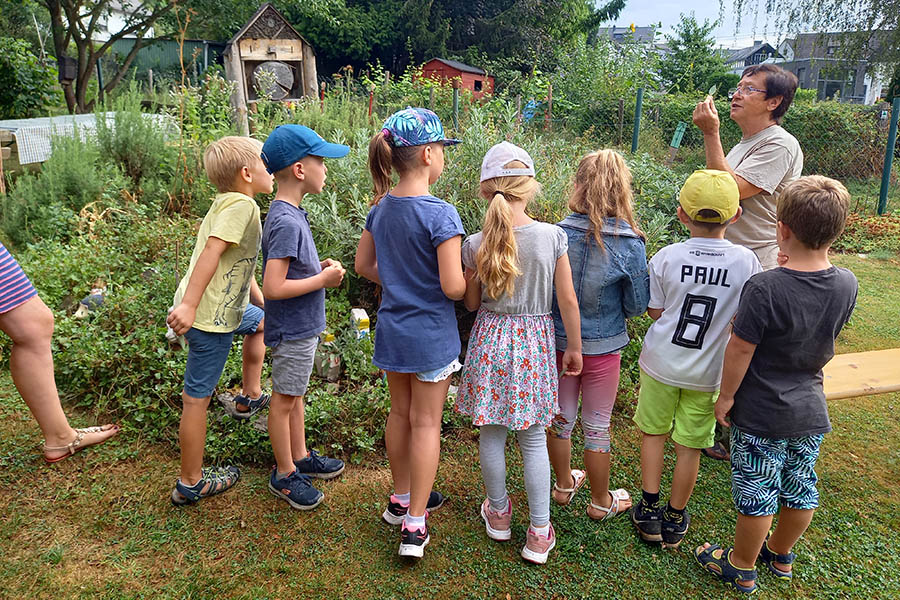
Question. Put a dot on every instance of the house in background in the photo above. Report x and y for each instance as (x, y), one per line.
(637, 35)
(738, 59)
(473, 79)
(815, 59)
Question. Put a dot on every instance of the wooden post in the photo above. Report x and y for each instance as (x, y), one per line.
(234, 71)
(548, 116)
(371, 99)
(456, 84)
(431, 99)
(322, 97)
(5, 153)
(518, 111)
(621, 118)
(150, 79)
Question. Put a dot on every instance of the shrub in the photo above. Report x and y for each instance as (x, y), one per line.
(27, 86)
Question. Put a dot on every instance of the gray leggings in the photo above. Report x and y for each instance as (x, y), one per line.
(533, 444)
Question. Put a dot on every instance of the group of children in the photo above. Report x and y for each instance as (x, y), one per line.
(552, 304)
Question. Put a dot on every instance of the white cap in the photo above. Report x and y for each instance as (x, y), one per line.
(500, 155)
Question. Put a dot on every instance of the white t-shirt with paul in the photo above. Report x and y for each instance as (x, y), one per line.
(698, 284)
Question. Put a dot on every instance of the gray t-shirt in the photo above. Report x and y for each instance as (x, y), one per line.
(540, 245)
(793, 318)
(769, 159)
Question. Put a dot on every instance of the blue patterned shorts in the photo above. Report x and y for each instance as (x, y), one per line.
(769, 471)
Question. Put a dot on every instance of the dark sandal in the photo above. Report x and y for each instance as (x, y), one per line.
(721, 567)
(768, 558)
(254, 404)
(716, 452)
(215, 479)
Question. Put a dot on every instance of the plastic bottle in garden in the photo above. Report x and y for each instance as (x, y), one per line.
(360, 319)
(327, 362)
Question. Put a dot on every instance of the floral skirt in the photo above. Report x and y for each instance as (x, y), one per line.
(510, 375)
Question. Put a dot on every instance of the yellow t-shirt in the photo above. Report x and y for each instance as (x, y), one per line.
(234, 218)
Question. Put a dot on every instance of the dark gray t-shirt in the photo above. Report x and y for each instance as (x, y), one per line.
(286, 234)
(793, 318)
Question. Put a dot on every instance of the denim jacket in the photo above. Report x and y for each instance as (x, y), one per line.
(610, 286)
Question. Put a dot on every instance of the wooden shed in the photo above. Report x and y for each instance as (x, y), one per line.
(269, 52)
(474, 79)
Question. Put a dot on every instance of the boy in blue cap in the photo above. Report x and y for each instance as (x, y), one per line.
(294, 282)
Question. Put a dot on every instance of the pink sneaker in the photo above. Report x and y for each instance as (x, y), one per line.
(497, 523)
(538, 547)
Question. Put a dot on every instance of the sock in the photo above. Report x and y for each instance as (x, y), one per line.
(650, 499)
(411, 522)
(279, 475)
(543, 530)
(401, 498)
(676, 511)
(499, 506)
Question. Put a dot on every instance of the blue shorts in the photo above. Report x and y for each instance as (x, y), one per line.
(766, 472)
(439, 374)
(207, 353)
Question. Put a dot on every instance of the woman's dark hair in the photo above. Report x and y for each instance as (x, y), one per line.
(778, 83)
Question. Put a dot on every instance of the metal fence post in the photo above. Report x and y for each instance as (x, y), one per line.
(621, 118)
(637, 120)
(889, 156)
(456, 83)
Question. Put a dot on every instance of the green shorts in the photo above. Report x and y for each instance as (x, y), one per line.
(693, 412)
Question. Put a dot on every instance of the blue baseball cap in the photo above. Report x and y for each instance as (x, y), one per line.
(289, 143)
(415, 127)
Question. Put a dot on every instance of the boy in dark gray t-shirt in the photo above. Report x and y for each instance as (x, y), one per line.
(784, 332)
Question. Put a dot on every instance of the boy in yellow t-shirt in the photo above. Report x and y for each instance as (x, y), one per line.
(218, 298)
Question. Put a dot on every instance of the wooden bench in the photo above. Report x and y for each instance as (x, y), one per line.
(6, 137)
(862, 374)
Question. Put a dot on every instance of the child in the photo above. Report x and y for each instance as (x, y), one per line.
(410, 246)
(29, 324)
(294, 282)
(217, 299)
(609, 270)
(510, 379)
(694, 290)
(784, 333)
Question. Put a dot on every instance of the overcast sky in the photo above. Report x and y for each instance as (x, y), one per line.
(647, 12)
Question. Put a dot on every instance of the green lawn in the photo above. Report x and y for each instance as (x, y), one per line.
(101, 525)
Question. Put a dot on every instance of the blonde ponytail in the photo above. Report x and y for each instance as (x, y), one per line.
(497, 260)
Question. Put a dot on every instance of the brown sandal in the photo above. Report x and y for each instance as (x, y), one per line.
(75, 445)
(579, 477)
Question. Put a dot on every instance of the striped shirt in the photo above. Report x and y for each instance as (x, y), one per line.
(15, 289)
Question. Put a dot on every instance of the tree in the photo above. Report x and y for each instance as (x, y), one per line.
(693, 63)
(872, 26)
(78, 22)
(26, 85)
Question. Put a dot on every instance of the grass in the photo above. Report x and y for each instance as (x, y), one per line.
(100, 525)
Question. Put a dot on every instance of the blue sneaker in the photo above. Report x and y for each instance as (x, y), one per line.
(320, 467)
(254, 405)
(296, 490)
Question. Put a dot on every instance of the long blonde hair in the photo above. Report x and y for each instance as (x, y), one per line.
(496, 261)
(603, 189)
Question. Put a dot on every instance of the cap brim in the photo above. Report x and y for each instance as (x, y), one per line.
(329, 150)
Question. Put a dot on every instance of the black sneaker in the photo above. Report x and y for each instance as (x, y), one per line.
(674, 527)
(255, 405)
(648, 521)
(296, 490)
(413, 541)
(395, 511)
(318, 466)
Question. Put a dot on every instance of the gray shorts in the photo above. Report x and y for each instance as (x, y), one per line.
(292, 364)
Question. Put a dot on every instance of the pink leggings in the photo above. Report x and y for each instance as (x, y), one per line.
(597, 385)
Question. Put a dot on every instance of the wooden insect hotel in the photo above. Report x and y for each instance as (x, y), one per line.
(268, 57)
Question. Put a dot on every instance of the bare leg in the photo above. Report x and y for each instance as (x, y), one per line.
(30, 326)
(254, 353)
(792, 523)
(749, 536)
(280, 424)
(397, 432)
(687, 465)
(652, 447)
(192, 437)
(560, 450)
(425, 440)
(298, 430)
(596, 464)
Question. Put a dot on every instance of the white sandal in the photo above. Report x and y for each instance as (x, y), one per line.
(75, 445)
(613, 510)
(579, 477)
